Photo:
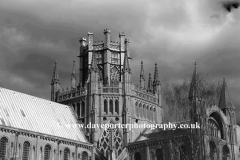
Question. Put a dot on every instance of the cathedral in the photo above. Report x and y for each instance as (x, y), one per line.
(105, 94)
(32, 128)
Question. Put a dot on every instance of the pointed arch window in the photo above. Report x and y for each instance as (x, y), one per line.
(144, 112)
(3, 147)
(141, 110)
(111, 106)
(159, 154)
(116, 106)
(73, 105)
(137, 156)
(47, 150)
(84, 156)
(137, 109)
(225, 153)
(83, 109)
(183, 152)
(26, 151)
(66, 154)
(105, 106)
(213, 151)
(78, 109)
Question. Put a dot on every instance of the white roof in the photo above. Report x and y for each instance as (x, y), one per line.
(27, 112)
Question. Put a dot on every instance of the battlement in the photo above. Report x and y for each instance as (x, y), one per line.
(70, 94)
(145, 94)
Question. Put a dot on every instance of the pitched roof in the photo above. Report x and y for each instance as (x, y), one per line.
(27, 112)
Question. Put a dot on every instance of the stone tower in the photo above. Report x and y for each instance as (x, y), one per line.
(105, 94)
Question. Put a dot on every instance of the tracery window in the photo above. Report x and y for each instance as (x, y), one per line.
(98, 57)
(3, 147)
(115, 58)
(26, 151)
(111, 138)
(213, 128)
(114, 75)
(66, 154)
(84, 156)
(47, 150)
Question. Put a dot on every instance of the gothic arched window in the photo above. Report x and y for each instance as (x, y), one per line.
(66, 154)
(3, 147)
(73, 105)
(84, 156)
(137, 156)
(144, 112)
(137, 109)
(183, 153)
(159, 154)
(213, 151)
(26, 151)
(141, 110)
(116, 106)
(225, 153)
(105, 106)
(78, 109)
(110, 137)
(47, 150)
(83, 109)
(111, 106)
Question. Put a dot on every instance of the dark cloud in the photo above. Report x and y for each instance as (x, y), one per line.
(172, 33)
(229, 5)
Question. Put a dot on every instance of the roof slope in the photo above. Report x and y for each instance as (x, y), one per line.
(27, 112)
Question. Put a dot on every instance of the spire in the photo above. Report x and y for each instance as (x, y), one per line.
(150, 83)
(94, 62)
(73, 76)
(193, 85)
(55, 77)
(126, 66)
(142, 78)
(225, 99)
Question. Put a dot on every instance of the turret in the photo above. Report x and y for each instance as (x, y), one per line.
(106, 56)
(83, 44)
(55, 84)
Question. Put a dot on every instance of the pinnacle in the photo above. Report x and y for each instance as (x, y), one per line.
(126, 65)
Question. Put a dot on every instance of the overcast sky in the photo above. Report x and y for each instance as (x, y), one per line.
(173, 33)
